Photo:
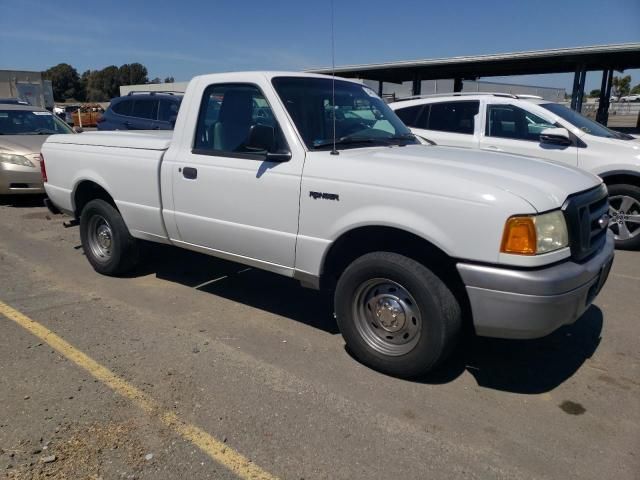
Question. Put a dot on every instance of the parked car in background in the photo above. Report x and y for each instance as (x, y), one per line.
(630, 98)
(317, 179)
(13, 101)
(23, 130)
(65, 112)
(142, 111)
(537, 127)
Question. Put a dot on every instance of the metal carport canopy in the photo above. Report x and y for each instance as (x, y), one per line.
(561, 60)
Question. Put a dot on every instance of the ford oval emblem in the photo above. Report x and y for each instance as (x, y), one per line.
(603, 221)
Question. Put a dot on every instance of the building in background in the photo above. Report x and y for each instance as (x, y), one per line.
(27, 86)
(394, 91)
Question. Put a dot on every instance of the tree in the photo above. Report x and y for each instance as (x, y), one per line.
(132, 74)
(594, 93)
(172, 80)
(65, 82)
(636, 90)
(94, 85)
(622, 85)
(102, 85)
(155, 80)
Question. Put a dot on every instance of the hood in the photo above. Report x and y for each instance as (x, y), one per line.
(21, 144)
(631, 145)
(461, 172)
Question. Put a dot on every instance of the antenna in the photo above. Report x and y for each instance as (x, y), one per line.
(333, 84)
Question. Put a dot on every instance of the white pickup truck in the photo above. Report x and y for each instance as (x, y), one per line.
(415, 240)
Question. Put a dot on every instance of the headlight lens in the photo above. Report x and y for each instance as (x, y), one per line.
(535, 234)
(551, 230)
(15, 160)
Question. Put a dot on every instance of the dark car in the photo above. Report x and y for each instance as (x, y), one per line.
(142, 111)
(13, 101)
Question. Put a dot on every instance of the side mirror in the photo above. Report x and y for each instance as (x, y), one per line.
(555, 136)
(78, 129)
(262, 138)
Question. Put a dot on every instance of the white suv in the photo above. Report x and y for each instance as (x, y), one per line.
(535, 127)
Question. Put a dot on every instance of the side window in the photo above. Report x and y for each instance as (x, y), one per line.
(168, 110)
(455, 117)
(228, 113)
(509, 121)
(409, 115)
(123, 107)
(144, 108)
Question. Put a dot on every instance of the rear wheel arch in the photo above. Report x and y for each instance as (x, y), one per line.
(88, 190)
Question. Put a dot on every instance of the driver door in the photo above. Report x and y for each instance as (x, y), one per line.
(229, 199)
(512, 129)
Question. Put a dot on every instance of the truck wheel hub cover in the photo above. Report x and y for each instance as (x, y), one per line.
(389, 313)
(104, 237)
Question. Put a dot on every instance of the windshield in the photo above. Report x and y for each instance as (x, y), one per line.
(583, 123)
(361, 117)
(26, 122)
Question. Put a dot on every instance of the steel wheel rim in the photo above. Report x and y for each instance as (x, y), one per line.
(387, 316)
(624, 217)
(100, 238)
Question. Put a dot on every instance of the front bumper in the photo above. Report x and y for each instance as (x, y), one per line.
(17, 179)
(511, 303)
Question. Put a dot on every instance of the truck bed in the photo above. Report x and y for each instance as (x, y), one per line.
(125, 164)
(147, 140)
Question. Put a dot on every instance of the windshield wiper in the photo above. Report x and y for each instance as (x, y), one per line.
(350, 140)
(346, 141)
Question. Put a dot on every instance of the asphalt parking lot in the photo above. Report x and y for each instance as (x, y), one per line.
(197, 368)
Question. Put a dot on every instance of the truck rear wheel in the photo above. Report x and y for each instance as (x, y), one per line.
(395, 315)
(624, 215)
(107, 243)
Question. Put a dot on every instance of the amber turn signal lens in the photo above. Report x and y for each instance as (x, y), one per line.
(519, 236)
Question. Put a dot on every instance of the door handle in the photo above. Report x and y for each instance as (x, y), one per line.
(494, 148)
(190, 173)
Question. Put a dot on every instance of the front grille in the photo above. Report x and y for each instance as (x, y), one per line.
(583, 212)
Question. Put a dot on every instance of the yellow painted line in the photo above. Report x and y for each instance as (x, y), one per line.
(217, 450)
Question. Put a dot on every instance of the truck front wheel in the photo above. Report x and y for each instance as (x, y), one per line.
(107, 243)
(395, 315)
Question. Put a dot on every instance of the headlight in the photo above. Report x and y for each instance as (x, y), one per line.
(15, 159)
(535, 234)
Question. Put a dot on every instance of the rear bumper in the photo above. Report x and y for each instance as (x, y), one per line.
(510, 303)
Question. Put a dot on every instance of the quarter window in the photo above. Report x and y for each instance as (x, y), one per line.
(168, 111)
(509, 121)
(227, 114)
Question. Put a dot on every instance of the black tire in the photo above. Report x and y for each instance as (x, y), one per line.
(440, 315)
(616, 192)
(123, 252)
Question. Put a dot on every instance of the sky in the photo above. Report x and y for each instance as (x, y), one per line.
(191, 37)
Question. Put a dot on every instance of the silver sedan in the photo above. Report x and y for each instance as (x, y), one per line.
(23, 130)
